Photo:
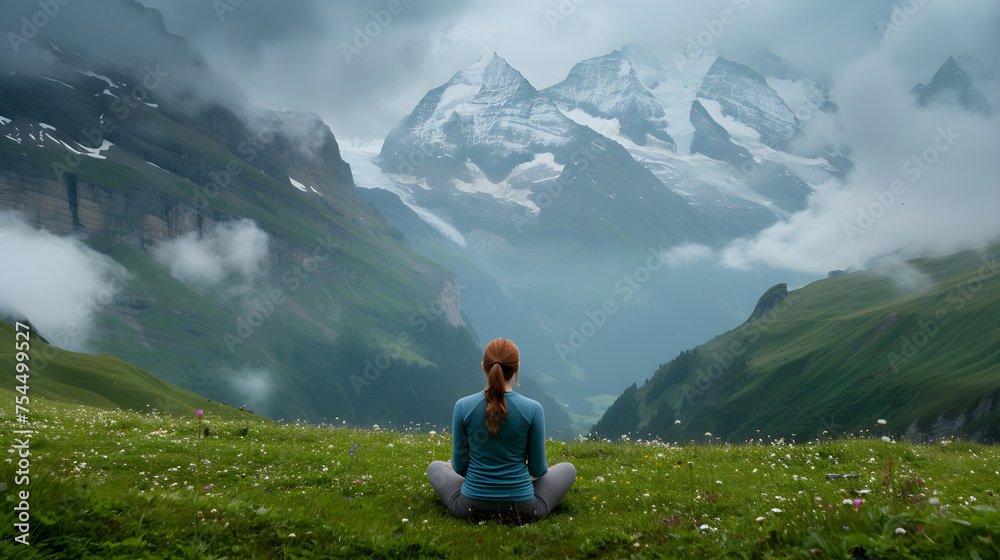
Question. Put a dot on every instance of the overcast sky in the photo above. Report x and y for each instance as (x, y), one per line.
(869, 53)
(291, 54)
(363, 68)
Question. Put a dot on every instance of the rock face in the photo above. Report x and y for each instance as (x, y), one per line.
(76, 117)
(769, 301)
(93, 146)
(745, 96)
(954, 83)
(712, 140)
(609, 87)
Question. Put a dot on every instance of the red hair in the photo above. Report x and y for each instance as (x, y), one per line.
(500, 362)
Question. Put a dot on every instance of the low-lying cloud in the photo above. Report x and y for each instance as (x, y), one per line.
(686, 254)
(57, 282)
(229, 259)
(253, 386)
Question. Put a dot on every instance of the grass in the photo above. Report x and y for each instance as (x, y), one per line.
(121, 484)
(844, 350)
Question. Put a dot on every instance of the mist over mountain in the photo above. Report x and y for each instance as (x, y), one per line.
(217, 245)
(621, 164)
(607, 188)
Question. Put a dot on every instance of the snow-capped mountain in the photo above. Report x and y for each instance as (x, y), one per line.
(571, 195)
(707, 106)
(956, 82)
(488, 114)
(242, 255)
(488, 151)
(609, 87)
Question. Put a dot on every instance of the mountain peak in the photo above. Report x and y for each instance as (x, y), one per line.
(500, 82)
(955, 83)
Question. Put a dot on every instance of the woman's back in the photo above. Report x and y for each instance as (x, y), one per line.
(494, 466)
(498, 444)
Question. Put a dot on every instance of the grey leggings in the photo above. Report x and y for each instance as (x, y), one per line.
(550, 488)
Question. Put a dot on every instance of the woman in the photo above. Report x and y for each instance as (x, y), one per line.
(498, 445)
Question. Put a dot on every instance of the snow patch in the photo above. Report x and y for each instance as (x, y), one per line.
(803, 97)
(740, 133)
(607, 127)
(676, 92)
(624, 69)
(367, 175)
(4, 121)
(548, 159)
(298, 185)
(57, 81)
(499, 191)
(90, 152)
(99, 77)
(46, 126)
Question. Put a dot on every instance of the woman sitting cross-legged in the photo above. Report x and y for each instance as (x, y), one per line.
(498, 445)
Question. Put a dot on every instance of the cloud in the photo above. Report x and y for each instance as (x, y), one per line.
(362, 76)
(924, 178)
(112, 34)
(906, 278)
(57, 282)
(686, 254)
(254, 386)
(230, 258)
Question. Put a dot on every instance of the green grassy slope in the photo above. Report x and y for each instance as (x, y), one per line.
(119, 484)
(105, 382)
(841, 352)
(361, 296)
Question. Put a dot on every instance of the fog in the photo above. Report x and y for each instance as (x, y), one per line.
(229, 259)
(56, 281)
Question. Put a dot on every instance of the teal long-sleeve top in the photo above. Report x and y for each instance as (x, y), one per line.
(494, 467)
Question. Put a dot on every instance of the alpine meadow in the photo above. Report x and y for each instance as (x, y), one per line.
(461, 279)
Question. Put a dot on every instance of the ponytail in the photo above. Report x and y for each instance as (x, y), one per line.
(500, 363)
(496, 404)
